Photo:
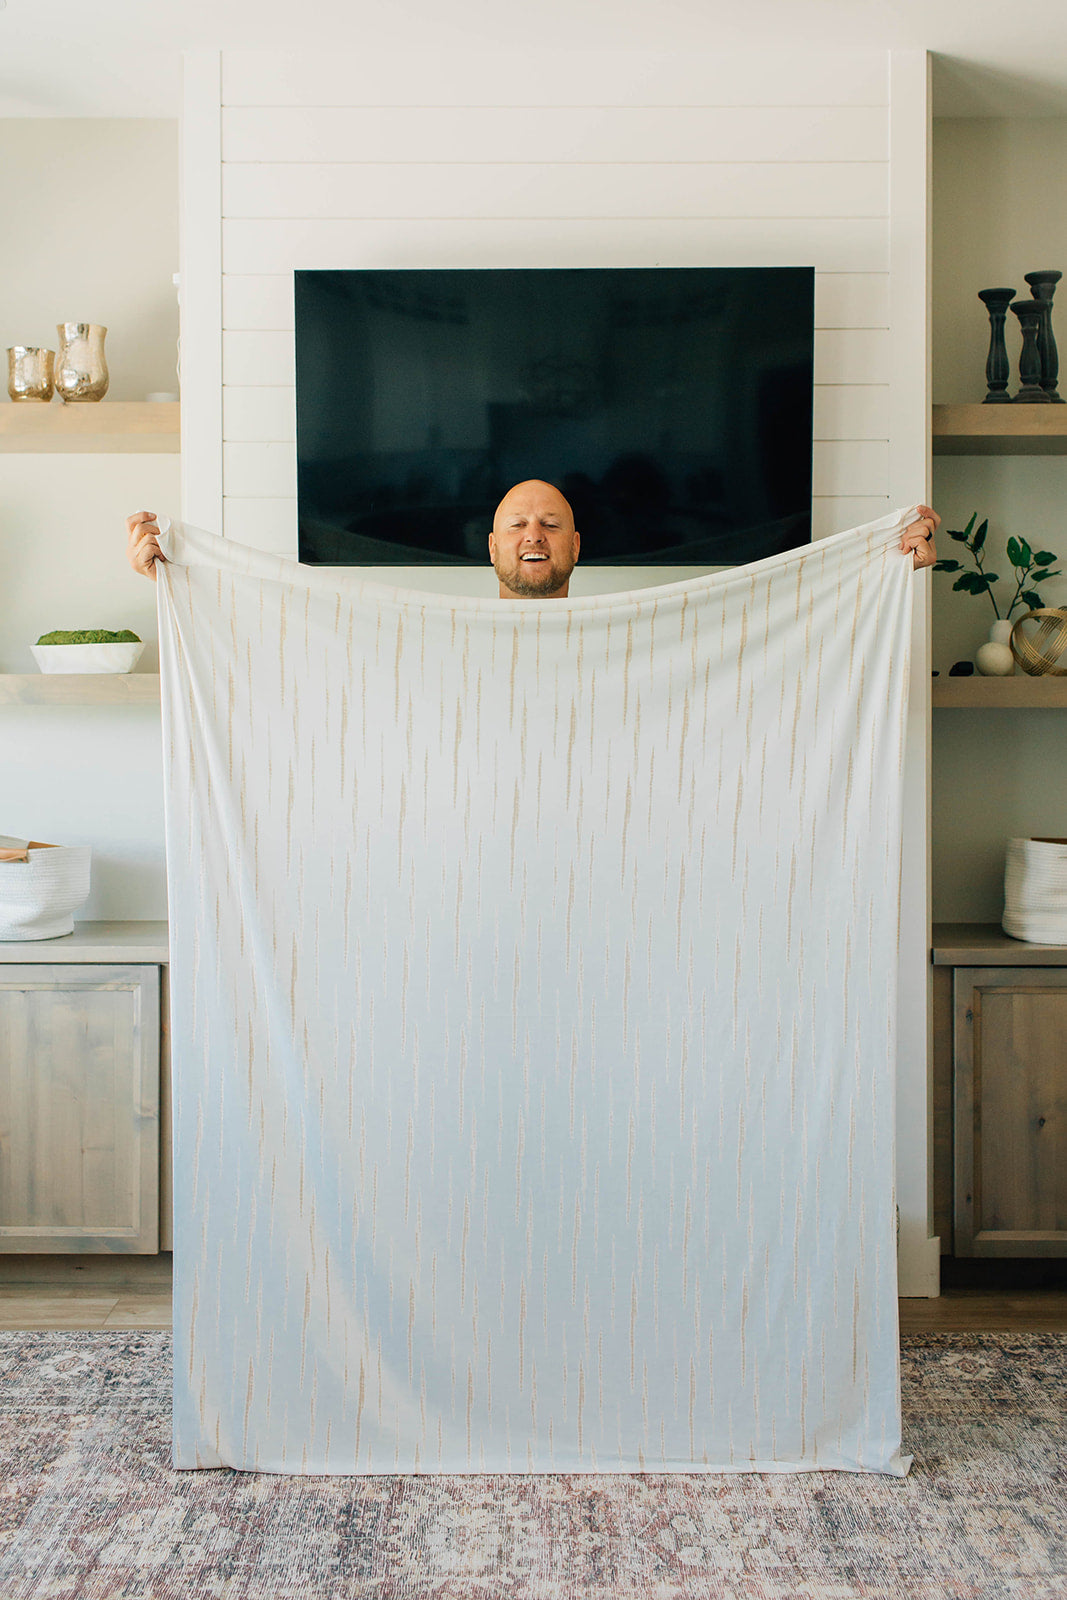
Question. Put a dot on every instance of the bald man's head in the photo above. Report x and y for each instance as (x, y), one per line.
(534, 543)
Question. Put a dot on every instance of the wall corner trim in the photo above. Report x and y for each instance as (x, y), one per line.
(909, 481)
(200, 200)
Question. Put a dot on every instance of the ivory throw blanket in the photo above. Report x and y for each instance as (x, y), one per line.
(534, 979)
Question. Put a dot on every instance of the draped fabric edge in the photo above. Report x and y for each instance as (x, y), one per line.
(188, 546)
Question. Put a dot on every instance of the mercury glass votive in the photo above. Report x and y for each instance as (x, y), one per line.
(29, 372)
(81, 371)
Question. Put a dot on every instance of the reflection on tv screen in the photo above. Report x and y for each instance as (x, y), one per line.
(671, 405)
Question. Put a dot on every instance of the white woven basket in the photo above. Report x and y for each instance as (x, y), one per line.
(1035, 890)
(38, 897)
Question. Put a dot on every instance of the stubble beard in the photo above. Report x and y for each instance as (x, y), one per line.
(534, 580)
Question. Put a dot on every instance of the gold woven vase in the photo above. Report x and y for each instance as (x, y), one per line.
(1039, 652)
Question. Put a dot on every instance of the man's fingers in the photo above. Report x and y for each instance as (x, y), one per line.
(146, 552)
(142, 547)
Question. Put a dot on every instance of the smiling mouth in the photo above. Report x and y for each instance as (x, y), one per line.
(532, 555)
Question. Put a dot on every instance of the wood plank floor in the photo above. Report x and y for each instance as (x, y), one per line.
(82, 1308)
(959, 1310)
(980, 1311)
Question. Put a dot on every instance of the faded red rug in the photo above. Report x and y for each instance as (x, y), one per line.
(91, 1510)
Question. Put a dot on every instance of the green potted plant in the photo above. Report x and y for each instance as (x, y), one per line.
(1029, 567)
(88, 650)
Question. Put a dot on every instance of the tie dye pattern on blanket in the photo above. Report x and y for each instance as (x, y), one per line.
(533, 1007)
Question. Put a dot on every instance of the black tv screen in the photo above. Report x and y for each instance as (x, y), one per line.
(671, 405)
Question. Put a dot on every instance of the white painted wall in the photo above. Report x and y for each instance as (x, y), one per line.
(997, 214)
(998, 775)
(91, 235)
(90, 208)
(89, 775)
(668, 160)
(413, 159)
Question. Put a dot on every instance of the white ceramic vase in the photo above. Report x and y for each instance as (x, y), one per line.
(1035, 890)
(994, 659)
(38, 897)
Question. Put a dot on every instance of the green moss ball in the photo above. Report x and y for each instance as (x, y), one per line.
(89, 636)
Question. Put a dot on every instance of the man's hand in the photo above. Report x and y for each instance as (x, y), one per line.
(919, 537)
(142, 548)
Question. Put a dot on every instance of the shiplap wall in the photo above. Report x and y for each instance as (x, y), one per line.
(753, 159)
(562, 158)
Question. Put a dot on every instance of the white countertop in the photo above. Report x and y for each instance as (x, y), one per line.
(94, 941)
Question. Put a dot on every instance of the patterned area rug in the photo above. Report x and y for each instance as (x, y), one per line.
(90, 1510)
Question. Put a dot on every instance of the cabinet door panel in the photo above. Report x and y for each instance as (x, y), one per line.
(1011, 1111)
(79, 1108)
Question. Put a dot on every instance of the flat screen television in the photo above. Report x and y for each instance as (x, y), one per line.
(671, 405)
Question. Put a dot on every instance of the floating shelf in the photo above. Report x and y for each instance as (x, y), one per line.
(980, 944)
(999, 694)
(125, 427)
(981, 430)
(142, 688)
(79, 688)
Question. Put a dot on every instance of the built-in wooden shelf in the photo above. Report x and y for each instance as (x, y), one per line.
(1003, 694)
(128, 427)
(1011, 430)
(118, 942)
(142, 688)
(79, 688)
(985, 944)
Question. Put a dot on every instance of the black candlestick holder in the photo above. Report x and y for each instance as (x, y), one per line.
(1043, 287)
(997, 369)
(1030, 314)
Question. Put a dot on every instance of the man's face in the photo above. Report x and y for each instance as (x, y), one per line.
(534, 543)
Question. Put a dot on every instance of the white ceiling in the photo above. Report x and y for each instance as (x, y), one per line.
(72, 58)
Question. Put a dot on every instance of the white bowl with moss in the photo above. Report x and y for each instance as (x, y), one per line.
(88, 650)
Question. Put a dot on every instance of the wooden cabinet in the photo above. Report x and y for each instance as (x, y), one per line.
(79, 1108)
(1000, 1092)
(84, 1118)
(1010, 1093)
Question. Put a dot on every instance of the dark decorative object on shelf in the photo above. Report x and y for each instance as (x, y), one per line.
(1043, 287)
(961, 669)
(1030, 314)
(997, 369)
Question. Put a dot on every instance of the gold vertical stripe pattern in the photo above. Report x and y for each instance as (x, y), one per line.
(533, 976)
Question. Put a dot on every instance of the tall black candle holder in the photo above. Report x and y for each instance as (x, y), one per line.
(1043, 287)
(997, 369)
(1029, 313)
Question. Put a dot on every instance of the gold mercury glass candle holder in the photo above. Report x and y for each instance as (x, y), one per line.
(30, 372)
(81, 371)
